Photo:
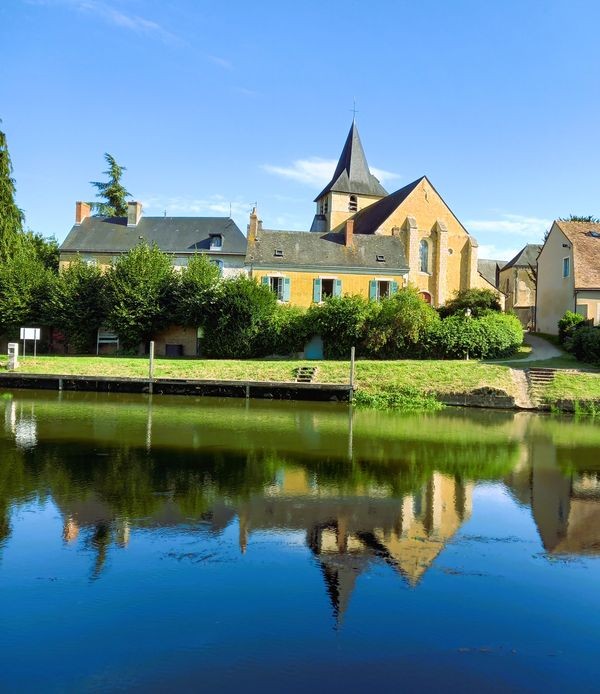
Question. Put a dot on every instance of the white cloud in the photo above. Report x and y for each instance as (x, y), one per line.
(492, 251)
(221, 62)
(217, 205)
(112, 15)
(316, 171)
(532, 228)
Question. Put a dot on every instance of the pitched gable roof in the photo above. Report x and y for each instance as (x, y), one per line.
(586, 252)
(352, 174)
(369, 219)
(305, 249)
(488, 269)
(526, 257)
(171, 234)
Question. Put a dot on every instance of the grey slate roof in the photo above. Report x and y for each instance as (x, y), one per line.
(352, 174)
(171, 234)
(526, 257)
(369, 219)
(305, 249)
(489, 269)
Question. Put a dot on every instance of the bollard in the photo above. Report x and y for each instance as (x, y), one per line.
(13, 356)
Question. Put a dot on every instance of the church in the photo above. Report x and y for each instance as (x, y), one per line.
(364, 240)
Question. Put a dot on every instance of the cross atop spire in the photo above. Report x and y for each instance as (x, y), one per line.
(352, 174)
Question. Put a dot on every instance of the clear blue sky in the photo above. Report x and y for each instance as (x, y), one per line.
(212, 103)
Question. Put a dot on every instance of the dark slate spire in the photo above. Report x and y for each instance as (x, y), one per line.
(352, 173)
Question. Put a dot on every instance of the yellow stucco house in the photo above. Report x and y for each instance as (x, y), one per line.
(366, 241)
(568, 274)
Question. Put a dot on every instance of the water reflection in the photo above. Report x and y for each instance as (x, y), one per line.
(377, 488)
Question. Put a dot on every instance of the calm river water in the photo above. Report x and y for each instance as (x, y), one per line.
(188, 544)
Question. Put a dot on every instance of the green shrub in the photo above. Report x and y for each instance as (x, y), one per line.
(567, 325)
(340, 321)
(585, 345)
(479, 301)
(285, 332)
(396, 327)
(403, 399)
(240, 313)
(492, 336)
(140, 287)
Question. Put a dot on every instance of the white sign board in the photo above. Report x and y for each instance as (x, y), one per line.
(30, 333)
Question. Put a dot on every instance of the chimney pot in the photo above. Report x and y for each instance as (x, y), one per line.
(82, 210)
(134, 213)
(349, 232)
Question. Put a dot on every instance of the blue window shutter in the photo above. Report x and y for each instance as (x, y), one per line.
(394, 288)
(265, 280)
(373, 290)
(337, 288)
(286, 288)
(316, 290)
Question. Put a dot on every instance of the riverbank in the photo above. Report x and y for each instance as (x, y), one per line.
(378, 383)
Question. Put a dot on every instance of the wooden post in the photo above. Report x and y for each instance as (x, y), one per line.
(151, 367)
(352, 352)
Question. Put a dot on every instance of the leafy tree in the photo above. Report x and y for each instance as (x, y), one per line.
(11, 217)
(340, 322)
(76, 305)
(396, 326)
(195, 291)
(568, 324)
(112, 192)
(24, 286)
(46, 249)
(478, 300)
(239, 315)
(139, 292)
(589, 218)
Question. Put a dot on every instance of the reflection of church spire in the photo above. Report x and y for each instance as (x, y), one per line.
(243, 531)
(100, 542)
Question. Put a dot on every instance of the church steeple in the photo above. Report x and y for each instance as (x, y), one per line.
(352, 188)
(352, 174)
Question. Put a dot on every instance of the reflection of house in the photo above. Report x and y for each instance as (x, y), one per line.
(566, 509)
(366, 241)
(347, 534)
(517, 281)
(568, 274)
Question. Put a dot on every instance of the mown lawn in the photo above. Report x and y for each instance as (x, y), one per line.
(372, 376)
(573, 386)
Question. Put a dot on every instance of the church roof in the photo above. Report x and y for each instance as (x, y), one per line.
(170, 234)
(526, 257)
(302, 249)
(369, 219)
(489, 269)
(352, 174)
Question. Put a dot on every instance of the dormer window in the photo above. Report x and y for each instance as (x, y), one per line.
(278, 253)
(353, 203)
(380, 258)
(216, 242)
(594, 234)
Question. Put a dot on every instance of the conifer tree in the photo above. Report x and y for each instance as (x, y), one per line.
(11, 217)
(112, 193)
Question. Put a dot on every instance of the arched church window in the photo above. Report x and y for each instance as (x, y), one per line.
(424, 256)
(353, 204)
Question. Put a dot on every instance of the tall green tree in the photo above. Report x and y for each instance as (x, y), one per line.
(76, 304)
(24, 287)
(140, 294)
(195, 292)
(112, 193)
(11, 217)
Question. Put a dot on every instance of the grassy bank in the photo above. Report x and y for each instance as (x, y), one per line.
(372, 377)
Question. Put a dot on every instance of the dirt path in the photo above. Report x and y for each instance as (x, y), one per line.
(540, 348)
(522, 397)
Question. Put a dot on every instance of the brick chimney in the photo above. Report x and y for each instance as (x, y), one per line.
(349, 232)
(134, 213)
(254, 226)
(82, 210)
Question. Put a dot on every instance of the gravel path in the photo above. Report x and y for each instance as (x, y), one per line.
(541, 349)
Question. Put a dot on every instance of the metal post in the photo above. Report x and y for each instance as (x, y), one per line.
(352, 352)
(151, 367)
